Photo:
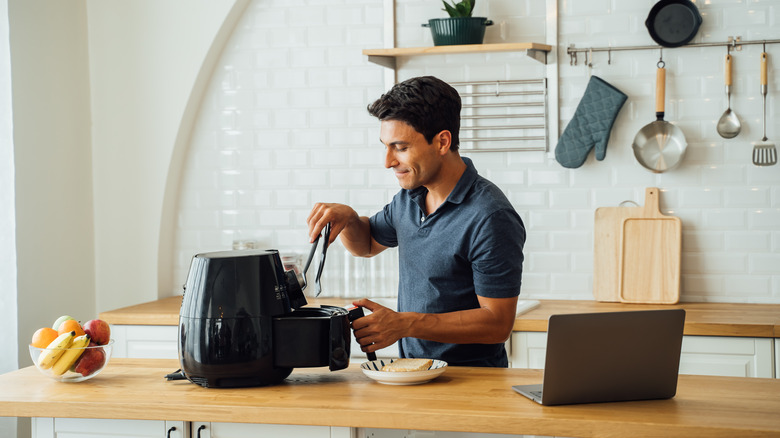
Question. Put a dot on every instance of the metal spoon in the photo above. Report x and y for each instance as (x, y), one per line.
(729, 125)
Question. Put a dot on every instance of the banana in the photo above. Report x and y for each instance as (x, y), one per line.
(55, 349)
(70, 356)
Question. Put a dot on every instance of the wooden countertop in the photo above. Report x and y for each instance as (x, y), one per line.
(702, 319)
(462, 399)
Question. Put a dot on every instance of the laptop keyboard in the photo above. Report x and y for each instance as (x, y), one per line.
(537, 394)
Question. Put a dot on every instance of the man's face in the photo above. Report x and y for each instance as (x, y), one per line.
(414, 161)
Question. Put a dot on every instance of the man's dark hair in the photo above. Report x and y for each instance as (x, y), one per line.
(426, 103)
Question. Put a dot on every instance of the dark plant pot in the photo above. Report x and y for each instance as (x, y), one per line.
(456, 31)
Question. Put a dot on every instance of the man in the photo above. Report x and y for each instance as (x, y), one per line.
(460, 241)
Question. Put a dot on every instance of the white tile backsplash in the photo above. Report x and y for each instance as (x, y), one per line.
(283, 125)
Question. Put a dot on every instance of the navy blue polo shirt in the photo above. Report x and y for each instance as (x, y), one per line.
(471, 245)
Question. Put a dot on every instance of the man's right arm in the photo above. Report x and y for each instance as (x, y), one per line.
(355, 230)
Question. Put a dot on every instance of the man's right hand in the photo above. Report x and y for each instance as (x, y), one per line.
(354, 230)
(339, 215)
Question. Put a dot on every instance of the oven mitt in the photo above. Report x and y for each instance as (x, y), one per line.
(591, 124)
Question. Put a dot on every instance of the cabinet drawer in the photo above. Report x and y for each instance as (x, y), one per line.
(145, 341)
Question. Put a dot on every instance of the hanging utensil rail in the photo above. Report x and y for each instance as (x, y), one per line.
(503, 104)
(733, 43)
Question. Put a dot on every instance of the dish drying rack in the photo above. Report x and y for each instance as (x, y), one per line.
(503, 116)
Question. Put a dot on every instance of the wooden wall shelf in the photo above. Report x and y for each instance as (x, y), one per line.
(387, 57)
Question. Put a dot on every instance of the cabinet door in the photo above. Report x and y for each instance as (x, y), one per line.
(727, 356)
(399, 433)
(528, 349)
(102, 428)
(242, 430)
(145, 341)
(777, 358)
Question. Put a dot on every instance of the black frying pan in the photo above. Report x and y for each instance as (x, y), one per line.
(673, 23)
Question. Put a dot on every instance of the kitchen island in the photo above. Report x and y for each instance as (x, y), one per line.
(462, 399)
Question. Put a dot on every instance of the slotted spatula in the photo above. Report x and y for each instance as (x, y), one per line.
(764, 154)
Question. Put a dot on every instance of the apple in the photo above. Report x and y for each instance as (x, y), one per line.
(60, 320)
(90, 361)
(98, 330)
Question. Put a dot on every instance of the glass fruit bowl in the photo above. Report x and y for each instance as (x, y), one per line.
(88, 362)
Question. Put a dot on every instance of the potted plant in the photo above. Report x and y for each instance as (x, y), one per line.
(460, 27)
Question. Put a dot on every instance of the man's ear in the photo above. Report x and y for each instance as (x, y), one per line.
(444, 141)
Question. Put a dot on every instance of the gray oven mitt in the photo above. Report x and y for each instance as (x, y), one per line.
(591, 124)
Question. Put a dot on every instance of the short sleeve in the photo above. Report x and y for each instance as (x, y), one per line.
(497, 255)
(383, 229)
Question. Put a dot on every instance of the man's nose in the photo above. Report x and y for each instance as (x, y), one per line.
(390, 160)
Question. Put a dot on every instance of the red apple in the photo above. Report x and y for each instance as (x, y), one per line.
(90, 361)
(98, 330)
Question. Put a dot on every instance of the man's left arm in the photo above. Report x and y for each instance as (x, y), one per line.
(491, 323)
(497, 265)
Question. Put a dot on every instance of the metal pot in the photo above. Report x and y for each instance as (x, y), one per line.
(673, 23)
(660, 145)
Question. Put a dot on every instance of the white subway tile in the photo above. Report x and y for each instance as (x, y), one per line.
(713, 263)
(548, 262)
(570, 199)
(764, 218)
(572, 241)
(254, 198)
(309, 178)
(347, 137)
(748, 241)
(529, 199)
(342, 179)
(549, 220)
(547, 178)
(702, 241)
(268, 217)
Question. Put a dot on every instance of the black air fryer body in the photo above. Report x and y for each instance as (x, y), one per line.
(239, 326)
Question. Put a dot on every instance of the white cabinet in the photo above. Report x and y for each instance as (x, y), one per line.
(397, 433)
(241, 430)
(145, 341)
(727, 356)
(100, 428)
(777, 358)
(528, 349)
(705, 355)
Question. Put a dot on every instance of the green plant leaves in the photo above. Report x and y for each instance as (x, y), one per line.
(464, 8)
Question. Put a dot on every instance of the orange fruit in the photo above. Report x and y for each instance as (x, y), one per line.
(69, 326)
(43, 337)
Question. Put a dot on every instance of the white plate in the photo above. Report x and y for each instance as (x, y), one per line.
(371, 369)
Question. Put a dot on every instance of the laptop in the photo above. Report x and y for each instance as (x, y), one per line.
(608, 357)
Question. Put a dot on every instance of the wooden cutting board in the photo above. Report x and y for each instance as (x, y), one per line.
(650, 254)
(606, 250)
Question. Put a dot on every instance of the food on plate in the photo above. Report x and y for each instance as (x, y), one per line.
(98, 330)
(402, 365)
(70, 355)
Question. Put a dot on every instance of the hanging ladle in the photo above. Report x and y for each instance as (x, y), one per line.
(729, 125)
